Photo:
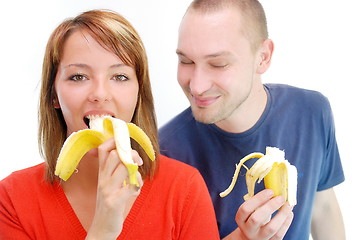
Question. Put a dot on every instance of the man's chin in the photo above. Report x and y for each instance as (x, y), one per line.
(203, 116)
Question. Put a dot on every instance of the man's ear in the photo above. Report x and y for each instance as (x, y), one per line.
(265, 56)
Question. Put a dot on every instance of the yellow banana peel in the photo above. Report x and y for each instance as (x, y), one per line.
(101, 129)
(278, 174)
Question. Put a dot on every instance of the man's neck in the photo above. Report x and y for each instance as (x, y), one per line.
(248, 114)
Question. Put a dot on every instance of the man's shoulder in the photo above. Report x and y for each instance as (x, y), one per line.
(298, 95)
(289, 89)
(182, 136)
(179, 123)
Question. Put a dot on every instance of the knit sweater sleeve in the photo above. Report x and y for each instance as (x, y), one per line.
(10, 226)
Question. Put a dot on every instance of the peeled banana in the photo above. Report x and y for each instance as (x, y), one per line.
(101, 129)
(278, 174)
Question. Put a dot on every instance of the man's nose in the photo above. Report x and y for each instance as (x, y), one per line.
(200, 81)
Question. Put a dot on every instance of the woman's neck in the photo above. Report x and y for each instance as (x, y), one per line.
(85, 175)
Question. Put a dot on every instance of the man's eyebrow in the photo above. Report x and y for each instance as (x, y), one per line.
(212, 55)
(218, 54)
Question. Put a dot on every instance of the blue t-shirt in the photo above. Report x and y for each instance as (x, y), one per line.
(295, 120)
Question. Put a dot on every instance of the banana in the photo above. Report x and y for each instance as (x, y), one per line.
(278, 174)
(74, 148)
(101, 129)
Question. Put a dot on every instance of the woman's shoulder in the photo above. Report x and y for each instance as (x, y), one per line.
(21, 180)
(171, 165)
(177, 174)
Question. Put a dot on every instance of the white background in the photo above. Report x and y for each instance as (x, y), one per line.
(316, 47)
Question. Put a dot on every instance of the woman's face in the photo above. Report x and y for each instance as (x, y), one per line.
(93, 81)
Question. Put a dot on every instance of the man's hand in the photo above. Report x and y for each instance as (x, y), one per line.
(254, 218)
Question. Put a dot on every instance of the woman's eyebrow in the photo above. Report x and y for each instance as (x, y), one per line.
(83, 65)
(119, 65)
(79, 65)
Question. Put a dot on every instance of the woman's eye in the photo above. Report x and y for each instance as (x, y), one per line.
(78, 78)
(121, 78)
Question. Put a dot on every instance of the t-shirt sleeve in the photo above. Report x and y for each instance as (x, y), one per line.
(332, 171)
(198, 216)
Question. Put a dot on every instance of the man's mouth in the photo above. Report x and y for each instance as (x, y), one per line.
(204, 102)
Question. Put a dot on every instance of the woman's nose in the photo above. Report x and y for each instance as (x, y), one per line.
(100, 91)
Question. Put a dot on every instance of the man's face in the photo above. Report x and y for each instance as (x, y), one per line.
(216, 66)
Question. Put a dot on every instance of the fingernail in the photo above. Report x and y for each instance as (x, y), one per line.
(140, 161)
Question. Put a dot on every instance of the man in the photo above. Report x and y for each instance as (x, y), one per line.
(223, 48)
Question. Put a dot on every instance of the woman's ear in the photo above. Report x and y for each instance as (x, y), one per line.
(55, 103)
(265, 56)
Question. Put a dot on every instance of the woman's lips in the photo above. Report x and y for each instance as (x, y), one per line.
(99, 113)
(95, 113)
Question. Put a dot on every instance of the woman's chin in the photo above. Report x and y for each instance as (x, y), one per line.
(93, 153)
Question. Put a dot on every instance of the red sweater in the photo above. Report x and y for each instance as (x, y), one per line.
(175, 204)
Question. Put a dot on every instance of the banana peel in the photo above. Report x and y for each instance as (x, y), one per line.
(101, 129)
(278, 174)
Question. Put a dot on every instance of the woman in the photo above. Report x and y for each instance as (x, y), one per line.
(95, 64)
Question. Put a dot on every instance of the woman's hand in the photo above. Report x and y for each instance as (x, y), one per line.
(114, 199)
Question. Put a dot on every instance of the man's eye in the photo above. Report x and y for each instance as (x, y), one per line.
(77, 78)
(184, 61)
(219, 65)
(121, 78)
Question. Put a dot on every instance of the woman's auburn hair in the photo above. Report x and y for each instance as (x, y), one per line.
(116, 34)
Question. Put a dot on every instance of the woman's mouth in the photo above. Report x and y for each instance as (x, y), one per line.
(90, 117)
(87, 121)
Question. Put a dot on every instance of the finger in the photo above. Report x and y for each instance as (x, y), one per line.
(113, 163)
(261, 215)
(104, 150)
(245, 211)
(139, 179)
(281, 222)
(135, 190)
(283, 230)
(249, 206)
(259, 219)
(124, 191)
(136, 157)
(120, 176)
